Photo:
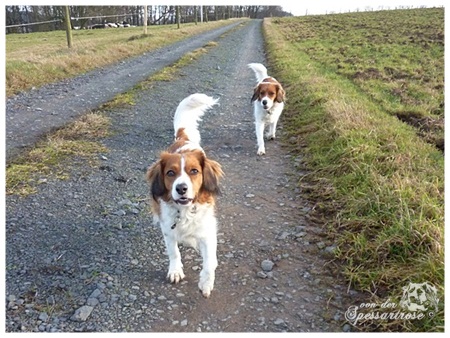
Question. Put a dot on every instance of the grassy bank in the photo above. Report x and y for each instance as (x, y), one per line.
(35, 59)
(377, 183)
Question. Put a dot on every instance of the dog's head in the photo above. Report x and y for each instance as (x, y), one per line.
(185, 178)
(267, 93)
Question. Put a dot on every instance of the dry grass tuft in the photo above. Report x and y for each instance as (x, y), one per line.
(45, 161)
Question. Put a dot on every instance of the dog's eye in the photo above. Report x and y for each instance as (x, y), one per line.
(170, 173)
(194, 171)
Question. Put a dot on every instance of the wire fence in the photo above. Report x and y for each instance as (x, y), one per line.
(33, 23)
(100, 16)
(71, 18)
(74, 20)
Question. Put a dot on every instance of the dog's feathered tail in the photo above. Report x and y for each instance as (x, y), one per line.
(189, 113)
(260, 71)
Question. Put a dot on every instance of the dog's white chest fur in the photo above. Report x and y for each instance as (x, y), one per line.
(187, 224)
(269, 117)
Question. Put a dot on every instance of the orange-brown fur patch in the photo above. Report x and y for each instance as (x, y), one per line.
(180, 140)
(192, 167)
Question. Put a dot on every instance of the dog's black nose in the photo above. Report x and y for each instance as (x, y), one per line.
(264, 102)
(181, 188)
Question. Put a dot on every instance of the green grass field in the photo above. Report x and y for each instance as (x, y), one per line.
(396, 60)
(376, 181)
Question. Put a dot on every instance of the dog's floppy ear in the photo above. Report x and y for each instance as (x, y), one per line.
(281, 94)
(155, 179)
(256, 92)
(212, 172)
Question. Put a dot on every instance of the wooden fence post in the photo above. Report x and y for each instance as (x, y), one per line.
(145, 19)
(68, 27)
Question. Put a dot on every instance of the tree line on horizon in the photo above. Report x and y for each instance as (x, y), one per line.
(83, 17)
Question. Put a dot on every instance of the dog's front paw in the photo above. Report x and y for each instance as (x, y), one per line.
(174, 276)
(270, 137)
(261, 151)
(206, 283)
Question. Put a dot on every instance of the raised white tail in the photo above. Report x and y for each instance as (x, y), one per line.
(189, 113)
(260, 71)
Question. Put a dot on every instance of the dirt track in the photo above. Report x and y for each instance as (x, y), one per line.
(87, 243)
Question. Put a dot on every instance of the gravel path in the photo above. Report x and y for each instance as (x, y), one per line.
(82, 254)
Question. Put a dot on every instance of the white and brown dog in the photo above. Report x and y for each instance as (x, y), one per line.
(268, 103)
(184, 185)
